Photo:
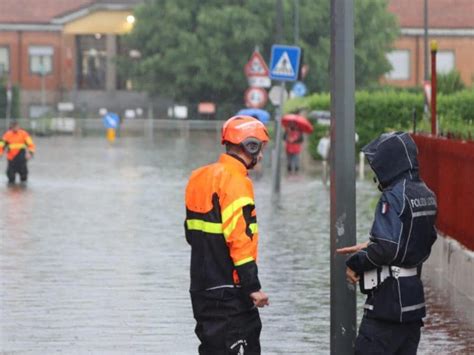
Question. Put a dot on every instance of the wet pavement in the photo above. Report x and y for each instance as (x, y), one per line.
(93, 258)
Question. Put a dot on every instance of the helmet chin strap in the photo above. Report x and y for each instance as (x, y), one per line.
(253, 162)
(251, 148)
(250, 165)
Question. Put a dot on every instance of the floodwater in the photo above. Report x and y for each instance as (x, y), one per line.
(93, 258)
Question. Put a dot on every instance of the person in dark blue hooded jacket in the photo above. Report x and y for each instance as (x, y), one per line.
(388, 266)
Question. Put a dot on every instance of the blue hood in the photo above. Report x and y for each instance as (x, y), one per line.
(391, 156)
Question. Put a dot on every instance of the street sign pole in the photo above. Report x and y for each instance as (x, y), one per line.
(9, 102)
(343, 231)
(284, 66)
(278, 139)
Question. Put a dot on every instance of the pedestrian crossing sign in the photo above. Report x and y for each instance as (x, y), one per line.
(285, 62)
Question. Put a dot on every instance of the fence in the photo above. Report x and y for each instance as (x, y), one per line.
(447, 167)
(95, 126)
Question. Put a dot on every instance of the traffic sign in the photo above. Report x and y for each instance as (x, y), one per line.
(275, 95)
(111, 120)
(299, 89)
(285, 62)
(256, 66)
(259, 81)
(255, 97)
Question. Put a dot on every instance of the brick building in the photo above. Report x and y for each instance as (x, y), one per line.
(63, 51)
(450, 23)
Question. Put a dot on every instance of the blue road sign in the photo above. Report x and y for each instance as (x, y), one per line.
(111, 120)
(285, 63)
(299, 89)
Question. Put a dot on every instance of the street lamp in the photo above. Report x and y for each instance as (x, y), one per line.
(42, 74)
(131, 19)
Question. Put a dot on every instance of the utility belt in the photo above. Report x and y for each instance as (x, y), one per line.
(375, 277)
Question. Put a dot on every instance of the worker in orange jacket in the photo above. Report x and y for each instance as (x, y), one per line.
(221, 227)
(20, 147)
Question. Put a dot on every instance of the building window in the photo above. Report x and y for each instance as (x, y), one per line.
(400, 61)
(41, 59)
(91, 62)
(445, 62)
(4, 61)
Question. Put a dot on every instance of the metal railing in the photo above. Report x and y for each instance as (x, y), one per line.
(91, 126)
(447, 167)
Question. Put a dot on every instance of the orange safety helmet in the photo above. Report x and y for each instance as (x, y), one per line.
(239, 128)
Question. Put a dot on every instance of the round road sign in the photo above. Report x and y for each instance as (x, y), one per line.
(275, 95)
(255, 97)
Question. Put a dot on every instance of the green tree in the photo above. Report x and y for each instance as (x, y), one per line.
(375, 30)
(196, 50)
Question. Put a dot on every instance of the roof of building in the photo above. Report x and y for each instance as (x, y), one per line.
(447, 14)
(410, 13)
(45, 11)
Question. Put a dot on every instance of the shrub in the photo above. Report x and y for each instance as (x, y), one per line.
(449, 83)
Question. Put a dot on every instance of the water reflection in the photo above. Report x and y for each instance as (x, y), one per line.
(93, 257)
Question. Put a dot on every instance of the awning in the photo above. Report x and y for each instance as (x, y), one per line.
(105, 22)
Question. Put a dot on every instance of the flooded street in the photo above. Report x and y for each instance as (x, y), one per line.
(93, 258)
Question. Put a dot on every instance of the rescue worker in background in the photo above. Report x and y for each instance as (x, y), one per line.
(293, 144)
(221, 227)
(20, 147)
(388, 266)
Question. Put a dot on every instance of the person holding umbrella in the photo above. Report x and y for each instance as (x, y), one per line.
(295, 126)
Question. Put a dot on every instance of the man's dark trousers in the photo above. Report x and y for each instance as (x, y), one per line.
(17, 165)
(387, 338)
(227, 321)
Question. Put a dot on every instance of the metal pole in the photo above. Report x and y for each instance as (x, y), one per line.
(414, 120)
(43, 96)
(297, 21)
(279, 21)
(434, 49)
(343, 231)
(427, 53)
(9, 103)
(278, 139)
(276, 164)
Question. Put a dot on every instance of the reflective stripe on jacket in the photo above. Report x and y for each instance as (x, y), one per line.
(14, 142)
(221, 227)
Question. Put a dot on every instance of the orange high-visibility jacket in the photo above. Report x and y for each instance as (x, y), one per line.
(221, 227)
(14, 142)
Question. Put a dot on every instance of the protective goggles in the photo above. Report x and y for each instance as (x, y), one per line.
(252, 146)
